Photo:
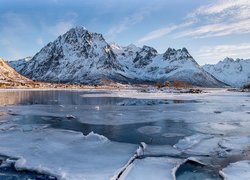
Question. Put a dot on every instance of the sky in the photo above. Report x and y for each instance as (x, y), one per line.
(210, 29)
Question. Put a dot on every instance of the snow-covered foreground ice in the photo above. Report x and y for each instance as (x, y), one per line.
(239, 170)
(152, 168)
(66, 154)
(50, 132)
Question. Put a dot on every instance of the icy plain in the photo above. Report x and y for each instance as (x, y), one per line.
(125, 134)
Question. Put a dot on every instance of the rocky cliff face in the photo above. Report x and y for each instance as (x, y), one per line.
(235, 73)
(79, 56)
(9, 77)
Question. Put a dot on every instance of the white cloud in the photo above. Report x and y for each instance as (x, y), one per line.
(211, 54)
(130, 21)
(222, 6)
(61, 27)
(223, 17)
(39, 41)
(218, 29)
(158, 33)
(220, 18)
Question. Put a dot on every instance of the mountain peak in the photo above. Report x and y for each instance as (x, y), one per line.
(228, 59)
(173, 54)
(78, 28)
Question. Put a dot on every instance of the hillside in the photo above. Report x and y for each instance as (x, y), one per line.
(236, 73)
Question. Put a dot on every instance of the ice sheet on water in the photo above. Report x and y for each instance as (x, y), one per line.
(238, 170)
(141, 102)
(202, 144)
(152, 168)
(161, 150)
(149, 129)
(199, 144)
(191, 141)
(218, 127)
(172, 134)
(235, 144)
(155, 94)
(66, 154)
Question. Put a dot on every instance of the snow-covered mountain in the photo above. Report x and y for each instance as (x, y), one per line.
(146, 64)
(80, 56)
(236, 73)
(19, 64)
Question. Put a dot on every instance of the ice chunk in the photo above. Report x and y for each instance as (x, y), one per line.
(238, 170)
(205, 147)
(151, 168)
(190, 141)
(161, 150)
(66, 154)
(235, 144)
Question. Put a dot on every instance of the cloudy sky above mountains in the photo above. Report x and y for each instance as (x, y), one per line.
(211, 30)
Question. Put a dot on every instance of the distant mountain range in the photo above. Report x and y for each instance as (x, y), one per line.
(83, 57)
(235, 73)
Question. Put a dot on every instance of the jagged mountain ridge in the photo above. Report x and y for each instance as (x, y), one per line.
(79, 56)
(236, 72)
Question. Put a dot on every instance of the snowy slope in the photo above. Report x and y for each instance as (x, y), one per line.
(79, 56)
(236, 73)
(19, 64)
(146, 64)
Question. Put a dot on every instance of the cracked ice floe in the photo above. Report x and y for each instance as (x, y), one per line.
(66, 154)
(152, 168)
(238, 170)
(160, 150)
(190, 141)
(235, 144)
(199, 144)
(202, 144)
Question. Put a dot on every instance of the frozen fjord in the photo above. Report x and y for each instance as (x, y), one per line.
(208, 126)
